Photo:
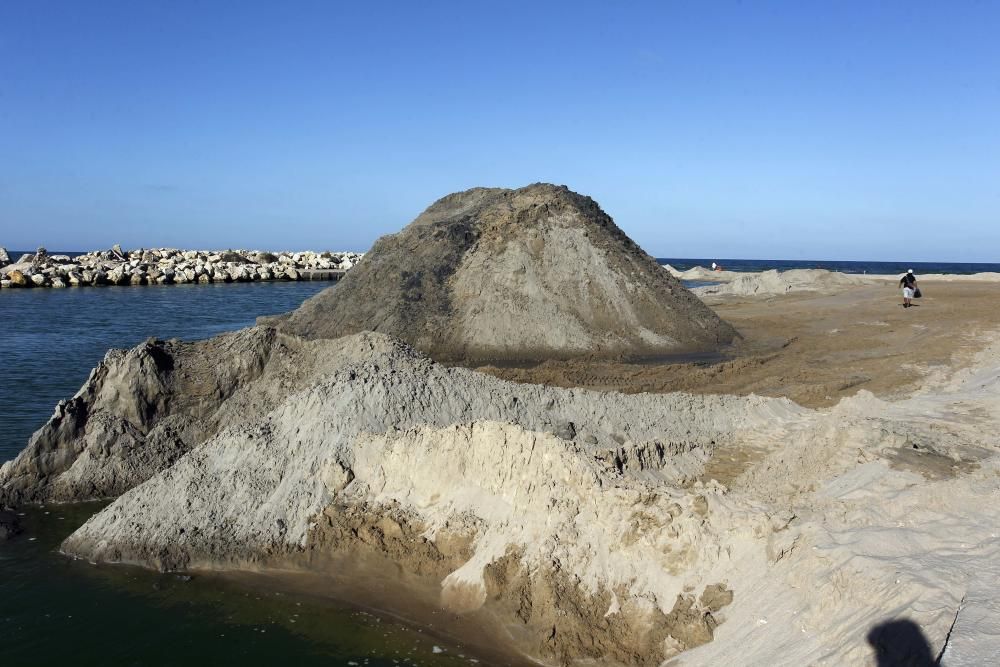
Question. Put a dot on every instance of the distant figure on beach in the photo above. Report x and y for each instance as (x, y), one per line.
(716, 267)
(909, 284)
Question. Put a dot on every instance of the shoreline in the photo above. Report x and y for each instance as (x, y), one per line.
(231, 610)
(831, 463)
(373, 583)
(169, 266)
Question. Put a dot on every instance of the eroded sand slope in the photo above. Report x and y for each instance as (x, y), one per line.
(573, 514)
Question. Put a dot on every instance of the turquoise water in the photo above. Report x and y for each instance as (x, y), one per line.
(54, 610)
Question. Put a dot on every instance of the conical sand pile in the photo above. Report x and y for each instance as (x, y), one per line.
(533, 273)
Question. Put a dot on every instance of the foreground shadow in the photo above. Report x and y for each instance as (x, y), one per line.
(900, 643)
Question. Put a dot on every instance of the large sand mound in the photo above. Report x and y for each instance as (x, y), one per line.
(579, 519)
(533, 273)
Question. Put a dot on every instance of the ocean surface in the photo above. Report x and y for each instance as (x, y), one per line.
(56, 611)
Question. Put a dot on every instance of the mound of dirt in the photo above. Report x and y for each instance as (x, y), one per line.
(773, 283)
(700, 273)
(471, 481)
(585, 523)
(492, 274)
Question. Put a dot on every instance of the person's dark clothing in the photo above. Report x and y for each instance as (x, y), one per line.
(908, 280)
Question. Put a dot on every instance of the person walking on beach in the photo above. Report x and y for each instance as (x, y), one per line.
(909, 284)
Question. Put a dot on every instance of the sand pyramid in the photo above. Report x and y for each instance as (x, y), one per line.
(493, 274)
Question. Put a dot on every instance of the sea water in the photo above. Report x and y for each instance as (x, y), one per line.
(54, 610)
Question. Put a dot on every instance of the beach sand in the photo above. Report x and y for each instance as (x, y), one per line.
(597, 527)
(812, 348)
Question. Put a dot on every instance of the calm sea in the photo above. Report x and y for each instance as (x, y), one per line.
(55, 611)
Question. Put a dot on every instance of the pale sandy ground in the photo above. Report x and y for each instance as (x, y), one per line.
(906, 530)
(814, 348)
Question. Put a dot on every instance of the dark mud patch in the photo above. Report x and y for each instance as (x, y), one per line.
(928, 463)
(729, 462)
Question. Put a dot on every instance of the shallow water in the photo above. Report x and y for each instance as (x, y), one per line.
(54, 610)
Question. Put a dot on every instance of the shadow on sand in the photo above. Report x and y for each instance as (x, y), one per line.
(900, 643)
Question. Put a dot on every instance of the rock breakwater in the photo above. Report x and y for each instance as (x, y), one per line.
(169, 266)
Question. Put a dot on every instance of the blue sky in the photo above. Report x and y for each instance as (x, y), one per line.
(761, 130)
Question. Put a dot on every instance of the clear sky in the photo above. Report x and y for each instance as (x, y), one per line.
(840, 130)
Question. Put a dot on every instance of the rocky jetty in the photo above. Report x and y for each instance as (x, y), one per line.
(509, 275)
(168, 266)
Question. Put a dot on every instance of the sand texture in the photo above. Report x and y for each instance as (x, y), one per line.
(579, 513)
(827, 489)
(772, 283)
(535, 273)
(813, 347)
(701, 273)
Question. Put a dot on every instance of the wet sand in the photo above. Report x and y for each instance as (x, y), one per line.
(812, 348)
(372, 583)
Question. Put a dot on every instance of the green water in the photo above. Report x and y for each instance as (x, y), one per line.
(58, 611)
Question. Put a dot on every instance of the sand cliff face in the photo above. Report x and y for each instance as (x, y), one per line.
(494, 274)
(137, 413)
(577, 508)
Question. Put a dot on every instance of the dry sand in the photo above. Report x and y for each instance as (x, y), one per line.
(813, 348)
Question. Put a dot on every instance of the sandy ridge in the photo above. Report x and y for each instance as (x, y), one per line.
(816, 538)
